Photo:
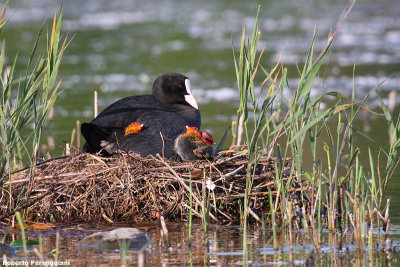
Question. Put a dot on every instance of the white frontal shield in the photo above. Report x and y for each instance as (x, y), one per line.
(189, 98)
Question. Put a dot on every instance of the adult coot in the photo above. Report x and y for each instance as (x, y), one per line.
(163, 116)
(194, 144)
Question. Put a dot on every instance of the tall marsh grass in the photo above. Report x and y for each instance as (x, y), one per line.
(275, 119)
(27, 98)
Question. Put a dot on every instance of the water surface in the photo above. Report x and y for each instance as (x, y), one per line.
(222, 248)
(120, 47)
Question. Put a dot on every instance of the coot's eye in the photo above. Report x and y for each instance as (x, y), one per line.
(180, 86)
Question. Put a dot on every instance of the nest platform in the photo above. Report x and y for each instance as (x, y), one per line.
(129, 188)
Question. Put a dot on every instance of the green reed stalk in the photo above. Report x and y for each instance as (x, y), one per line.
(190, 258)
(57, 249)
(246, 69)
(273, 211)
(393, 158)
(123, 244)
(351, 150)
(190, 210)
(21, 226)
(30, 103)
(305, 120)
(319, 199)
(204, 211)
(40, 244)
(264, 238)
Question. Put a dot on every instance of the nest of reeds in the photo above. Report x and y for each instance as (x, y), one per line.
(129, 188)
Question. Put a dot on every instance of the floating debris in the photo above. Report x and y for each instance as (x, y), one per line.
(121, 238)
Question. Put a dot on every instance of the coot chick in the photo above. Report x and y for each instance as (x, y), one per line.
(191, 145)
(164, 116)
(207, 138)
(205, 149)
(133, 128)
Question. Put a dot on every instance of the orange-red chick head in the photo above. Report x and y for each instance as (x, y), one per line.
(133, 128)
(207, 138)
(193, 132)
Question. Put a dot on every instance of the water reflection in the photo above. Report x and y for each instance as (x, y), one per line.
(224, 248)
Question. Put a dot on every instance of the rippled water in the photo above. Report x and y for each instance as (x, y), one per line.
(223, 248)
(119, 47)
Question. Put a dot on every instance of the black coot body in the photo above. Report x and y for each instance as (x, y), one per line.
(164, 115)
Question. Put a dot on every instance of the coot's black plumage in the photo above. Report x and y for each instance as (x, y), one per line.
(164, 116)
